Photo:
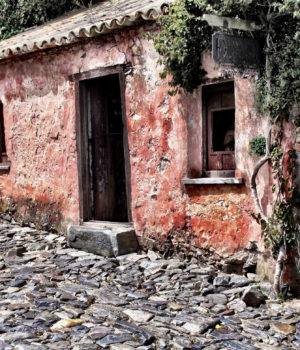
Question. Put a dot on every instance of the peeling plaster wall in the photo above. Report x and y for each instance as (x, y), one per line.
(218, 216)
(164, 140)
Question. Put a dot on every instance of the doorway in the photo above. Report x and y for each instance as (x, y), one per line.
(104, 156)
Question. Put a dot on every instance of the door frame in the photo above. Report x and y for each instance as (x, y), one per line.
(82, 132)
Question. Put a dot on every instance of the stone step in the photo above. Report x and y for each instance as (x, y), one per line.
(103, 238)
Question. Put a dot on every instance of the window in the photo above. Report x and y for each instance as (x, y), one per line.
(211, 150)
(219, 114)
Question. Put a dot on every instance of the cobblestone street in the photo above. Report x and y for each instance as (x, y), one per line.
(54, 297)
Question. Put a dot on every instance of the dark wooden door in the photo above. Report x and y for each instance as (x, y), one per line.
(106, 161)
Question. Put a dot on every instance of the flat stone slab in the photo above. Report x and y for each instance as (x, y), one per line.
(213, 181)
(108, 240)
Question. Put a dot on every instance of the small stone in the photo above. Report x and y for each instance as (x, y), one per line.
(16, 252)
(138, 315)
(283, 328)
(11, 290)
(15, 336)
(19, 282)
(200, 326)
(252, 277)
(253, 296)
(89, 282)
(175, 307)
(256, 324)
(121, 347)
(224, 333)
(48, 303)
(65, 324)
(192, 328)
(142, 335)
(18, 306)
(152, 255)
(114, 339)
(221, 281)
(217, 309)
(75, 312)
(239, 281)
(100, 331)
(237, 305)
(217, 299)
(108, 298)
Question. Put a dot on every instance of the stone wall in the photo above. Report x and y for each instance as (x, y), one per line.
(42, 185)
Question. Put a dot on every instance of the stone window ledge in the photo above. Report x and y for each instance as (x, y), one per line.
(4, 168)
(213, 181)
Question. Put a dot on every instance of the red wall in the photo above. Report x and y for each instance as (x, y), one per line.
(164, 140)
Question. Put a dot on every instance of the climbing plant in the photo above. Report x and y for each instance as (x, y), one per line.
(184, 37)
(257, 146)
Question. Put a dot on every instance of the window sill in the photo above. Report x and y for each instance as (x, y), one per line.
(213, 181)
(4, 168)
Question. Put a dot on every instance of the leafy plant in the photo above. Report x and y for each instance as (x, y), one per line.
(17, 15)
(257, 146)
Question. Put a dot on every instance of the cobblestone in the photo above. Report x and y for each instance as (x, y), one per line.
(54, 297)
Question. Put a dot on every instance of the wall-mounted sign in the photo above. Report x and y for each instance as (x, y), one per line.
(236, 50)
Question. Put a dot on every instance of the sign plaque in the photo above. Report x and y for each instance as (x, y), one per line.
(236, 50)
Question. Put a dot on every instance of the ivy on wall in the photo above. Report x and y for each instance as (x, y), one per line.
(186, 35)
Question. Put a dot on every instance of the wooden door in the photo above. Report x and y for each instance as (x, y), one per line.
(105, 159)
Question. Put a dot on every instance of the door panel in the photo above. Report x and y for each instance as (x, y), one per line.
(105, 150)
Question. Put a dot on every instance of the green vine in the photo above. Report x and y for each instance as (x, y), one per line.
(183, 39)
(257, 146)
(281, 226)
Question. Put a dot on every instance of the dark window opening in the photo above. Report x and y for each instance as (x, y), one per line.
(223, 130)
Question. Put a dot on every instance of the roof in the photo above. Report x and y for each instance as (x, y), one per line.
(99, 19)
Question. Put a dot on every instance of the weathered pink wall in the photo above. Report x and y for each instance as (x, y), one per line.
(39, 112)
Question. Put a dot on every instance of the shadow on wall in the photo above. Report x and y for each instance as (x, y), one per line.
(44, 215)
(179, 240)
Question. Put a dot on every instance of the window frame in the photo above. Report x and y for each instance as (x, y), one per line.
(213, 177)
(210, 89)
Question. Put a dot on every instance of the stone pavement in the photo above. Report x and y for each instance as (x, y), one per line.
(54, 297)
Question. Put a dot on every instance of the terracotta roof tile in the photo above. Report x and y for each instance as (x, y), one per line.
(99, 19)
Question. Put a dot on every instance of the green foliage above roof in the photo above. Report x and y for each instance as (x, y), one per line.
(17, 15)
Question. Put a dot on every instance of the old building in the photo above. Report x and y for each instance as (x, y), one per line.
(89, 133)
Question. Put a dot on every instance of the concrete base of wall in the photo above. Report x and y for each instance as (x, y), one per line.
(103, 238)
